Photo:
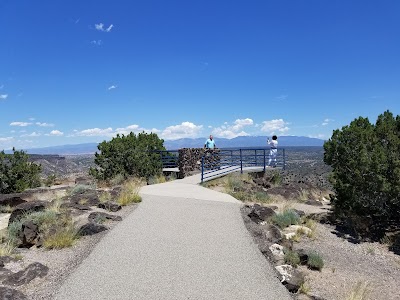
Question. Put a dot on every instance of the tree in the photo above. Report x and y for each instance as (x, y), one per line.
(17, 173)
(128, 155)
(365, 159)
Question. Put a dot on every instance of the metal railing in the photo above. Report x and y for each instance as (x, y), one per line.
(223, 161)
(169, 158)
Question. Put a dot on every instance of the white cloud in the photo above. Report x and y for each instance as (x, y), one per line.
(21, 124)
(33, 134)
(326, 122)
(274, 126)
(3, 97)
(56, 133)
(100, 27)
(6, 139)
(183, 130)
(112, 87)
(96, 132)
(44, 124)
(97, 42)
(135, 129)
(318, 136)
(234, 130)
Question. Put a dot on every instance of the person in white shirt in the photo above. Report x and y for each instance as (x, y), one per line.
(273, 151)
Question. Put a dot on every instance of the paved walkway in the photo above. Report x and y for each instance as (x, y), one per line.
(182, 242)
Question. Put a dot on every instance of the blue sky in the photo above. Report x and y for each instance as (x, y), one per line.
(82, 71)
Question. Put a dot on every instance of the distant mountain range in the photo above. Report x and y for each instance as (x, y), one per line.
(241, 141)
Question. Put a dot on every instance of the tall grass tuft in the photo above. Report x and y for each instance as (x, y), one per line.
(64, 237)
(359, 292)
(7, 248)
(286, 218)
(130, 192)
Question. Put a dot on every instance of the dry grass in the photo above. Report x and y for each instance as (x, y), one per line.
(359, 292)
(130, 192)
(6, 209)
(62, 238)
(105, 197)
(7, 248)
(304, 288)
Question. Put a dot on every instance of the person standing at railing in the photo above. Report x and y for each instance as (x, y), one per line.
(273, 151)
(210, 143)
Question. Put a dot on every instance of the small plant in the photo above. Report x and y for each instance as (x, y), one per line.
(262, 197)
(65, 237)
(234, 183)
(310, 223)
(286, 218)
(315, 261)
(370, 250)
(50, 180)
(157, 179)
(304, 288)
(6, 209)
(56, 206)
(359, 292)
(291, 257)
(130, 192)
(105, 197)
(117, 180)
(386, 240)
(276, 178)
(7, 248)
(83, 201)
(79, 189)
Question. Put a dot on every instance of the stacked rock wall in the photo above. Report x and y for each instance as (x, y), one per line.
(189, 161)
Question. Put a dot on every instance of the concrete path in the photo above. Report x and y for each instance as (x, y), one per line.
(182, 242)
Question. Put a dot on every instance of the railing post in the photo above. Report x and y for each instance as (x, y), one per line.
(284, 159)
(241, 162)
(264, 160)
(202, 168)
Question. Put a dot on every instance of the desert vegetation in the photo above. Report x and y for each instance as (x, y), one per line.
(17, 173)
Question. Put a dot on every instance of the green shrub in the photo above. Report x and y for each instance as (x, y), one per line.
(17, 173)
(286, 218)
(365, 159)
(117, 180)
(291, 257)
(128, 155)
(79, 189)
(50, 180)
(315, 261)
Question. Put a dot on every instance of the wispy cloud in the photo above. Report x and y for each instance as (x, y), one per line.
(100, 27)
(3, 97)
(274, 126)
(56, 133)
(112, 87)
(97, 42)
(281, 97)
(233, 130)
(6, 139)
(33, 134)
(326, 122)
(183, 130)
(20, 124)
(44, 124)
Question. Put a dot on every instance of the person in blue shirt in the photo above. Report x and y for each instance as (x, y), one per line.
(210, 143)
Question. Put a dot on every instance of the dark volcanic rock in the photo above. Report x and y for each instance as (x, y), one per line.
(27, 275)
(303, 255)
(91, 228)
(299, 212)
(260, 213)
(272, 233)
(27, 207)
(110, 206)
(11, 294)
(88, 198)
(6, 260)
(28, 234)
(4, 273)
(290, 277)
(95, 216)
(12, 201)
(83, 180)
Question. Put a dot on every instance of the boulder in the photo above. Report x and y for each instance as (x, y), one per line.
(290, 277)
(95, 216)
(313, 203)
(260, 213)
(26, 208)
(4, 273)
(91, 229)
(27, 275)
(303, 255)
(83, 180)
(110, 206)
(87, 198)
(277, 254)
(272, 233)
(299, 212)
(28, 234)
(11, 294)
(12, 201)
